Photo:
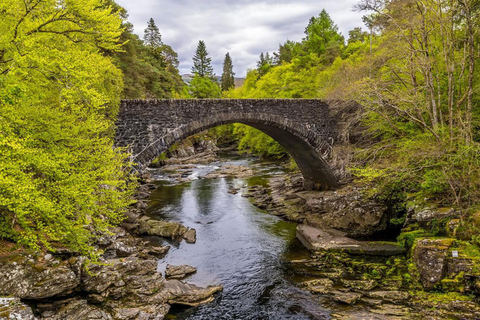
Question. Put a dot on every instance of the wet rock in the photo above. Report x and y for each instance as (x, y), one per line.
(178, 292)
(233, 190)
(27, 280)
(190, 236)
(322, 286)
(346, 297)
(317, 239)
(161, 228)
(178, 272)
(14, 309)
(430, 259)
(157, 251)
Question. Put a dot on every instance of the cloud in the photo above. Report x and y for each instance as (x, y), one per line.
(242, 27)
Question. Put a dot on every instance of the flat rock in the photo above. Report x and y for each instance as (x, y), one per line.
(316, 239)
(390, 296)
(178, 272)
(363, 285)
(346, 297)
(322, 286)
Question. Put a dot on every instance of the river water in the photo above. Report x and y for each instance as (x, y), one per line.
(238, 246)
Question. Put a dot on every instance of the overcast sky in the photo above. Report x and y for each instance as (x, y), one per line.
(242, 27)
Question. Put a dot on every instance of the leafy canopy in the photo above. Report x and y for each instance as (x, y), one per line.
(61, 180)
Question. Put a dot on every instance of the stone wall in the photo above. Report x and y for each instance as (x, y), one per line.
(307, 128)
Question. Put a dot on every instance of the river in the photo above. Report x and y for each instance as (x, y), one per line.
(239, 246)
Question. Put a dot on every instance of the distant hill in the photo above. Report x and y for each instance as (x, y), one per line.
(188, 77)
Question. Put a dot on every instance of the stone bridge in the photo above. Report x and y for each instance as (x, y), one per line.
(307, 128)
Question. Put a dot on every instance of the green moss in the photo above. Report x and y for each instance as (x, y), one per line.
(441, 297)
(452, 285)
(407, 239)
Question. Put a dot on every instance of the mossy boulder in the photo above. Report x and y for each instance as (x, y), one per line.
(161, 228)
(430, 259)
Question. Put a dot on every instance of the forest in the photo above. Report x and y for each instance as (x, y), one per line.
(65, 65)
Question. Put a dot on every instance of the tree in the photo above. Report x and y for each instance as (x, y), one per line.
(228, 77)
(264, 63)
(152, 36)
(287, 51)
(147, 72)
(356, 34)
(61, 180)
(322, 37)
(202, 62)
(204, 87)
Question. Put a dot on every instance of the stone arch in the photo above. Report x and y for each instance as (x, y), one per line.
(305, 146)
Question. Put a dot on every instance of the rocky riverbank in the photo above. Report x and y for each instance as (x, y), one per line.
(417, 274)
(124, 284)
(420, 273)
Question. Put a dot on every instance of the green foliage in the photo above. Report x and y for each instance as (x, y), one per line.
(61, 180)
(257, 142)
(150, 67)
(322, 37)
(204, 87)
(407, 239)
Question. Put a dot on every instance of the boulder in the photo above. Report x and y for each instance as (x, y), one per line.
(178, 272)
(430, 259)
(177, 292)
(347, 210)
(190, 236)
(24, 278)
(161, 228)
(119, 277)
(319, 239)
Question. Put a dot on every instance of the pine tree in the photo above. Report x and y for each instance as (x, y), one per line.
(264, 63)
(152, 36)
(228, 77)
(202, 62)
(322, 37)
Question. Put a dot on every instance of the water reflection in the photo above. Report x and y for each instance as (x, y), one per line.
(239, 247)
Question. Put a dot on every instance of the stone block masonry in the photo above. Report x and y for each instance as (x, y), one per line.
(306, 128)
